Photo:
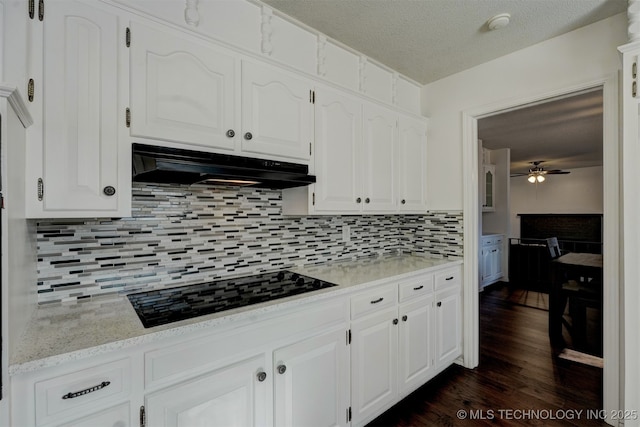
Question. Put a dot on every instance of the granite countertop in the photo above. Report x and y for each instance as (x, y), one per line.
(63, 332)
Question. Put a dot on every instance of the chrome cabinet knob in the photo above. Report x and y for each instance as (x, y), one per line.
(403, 201)
(248, 136)
(231, 133)
(358, 200)
(367, 200)
(439, 304)
(109, 190)
(262, 376)
(282, 369)
(395, 321)
(404, 318)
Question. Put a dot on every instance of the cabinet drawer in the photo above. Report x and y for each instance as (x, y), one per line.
(416, 287)
(374, 299)
(449, 277)
(85, 390)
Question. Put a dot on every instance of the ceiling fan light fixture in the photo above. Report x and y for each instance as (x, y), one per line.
(531, 179)
(540, 178)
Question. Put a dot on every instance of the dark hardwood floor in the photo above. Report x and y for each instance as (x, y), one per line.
(517, 375)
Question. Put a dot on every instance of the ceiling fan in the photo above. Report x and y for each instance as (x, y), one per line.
(537, 173)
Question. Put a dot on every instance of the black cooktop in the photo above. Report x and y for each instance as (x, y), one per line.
(164, 306)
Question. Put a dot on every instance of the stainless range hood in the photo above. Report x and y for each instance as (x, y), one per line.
(156, 164)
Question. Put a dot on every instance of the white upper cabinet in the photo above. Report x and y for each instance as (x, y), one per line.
(276, 112)
(368, 159)
(338, 135)
(81, 169)
(378, 158)
(412, 165)
(182, 89)
(187, 90)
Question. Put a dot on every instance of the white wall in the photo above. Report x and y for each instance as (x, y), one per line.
(581, 191)
(572, 59)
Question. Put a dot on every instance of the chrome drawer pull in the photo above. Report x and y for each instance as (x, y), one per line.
(375, 301)
(100, 386)
(418, 288)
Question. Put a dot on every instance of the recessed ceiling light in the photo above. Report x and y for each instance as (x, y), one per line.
(498, 21)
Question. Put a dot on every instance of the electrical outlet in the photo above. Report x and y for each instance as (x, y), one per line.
(346, 233)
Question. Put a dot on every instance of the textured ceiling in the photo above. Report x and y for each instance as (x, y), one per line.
(566, 133)
(430, 39)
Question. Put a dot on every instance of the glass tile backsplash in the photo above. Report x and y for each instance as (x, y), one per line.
(191, 234)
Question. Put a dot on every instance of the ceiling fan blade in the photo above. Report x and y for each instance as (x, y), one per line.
(518, 174)
(557, 172)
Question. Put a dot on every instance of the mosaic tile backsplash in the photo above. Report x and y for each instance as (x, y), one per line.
(182, 235)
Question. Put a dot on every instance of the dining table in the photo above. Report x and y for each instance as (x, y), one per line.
(584, 268)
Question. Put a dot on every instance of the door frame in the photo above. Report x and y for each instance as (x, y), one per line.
(611, 230)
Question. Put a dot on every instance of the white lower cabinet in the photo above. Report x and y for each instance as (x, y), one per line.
(337, 362)
(311, 382)
(118, 416)
(374, 363)
(235, 395)
(448, 321)
(416, 354)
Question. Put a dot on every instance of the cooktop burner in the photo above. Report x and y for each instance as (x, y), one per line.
(164, 306)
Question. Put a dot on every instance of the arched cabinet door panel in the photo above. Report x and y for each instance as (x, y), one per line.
(182, 89)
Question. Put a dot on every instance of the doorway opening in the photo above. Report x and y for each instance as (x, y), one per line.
(472, 156)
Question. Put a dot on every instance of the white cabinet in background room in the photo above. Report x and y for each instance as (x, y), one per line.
(76, 162)
(491, 251)
(489, 203)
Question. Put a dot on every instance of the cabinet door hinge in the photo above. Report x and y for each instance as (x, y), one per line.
(30, 90)
(32, 9)
(41, 10)
(348, 336)
(309, 148)
(313, 198)
(312, 96)
(127, 118)
(127, 37)
(143, 417)
(349, 414)
(40, 189)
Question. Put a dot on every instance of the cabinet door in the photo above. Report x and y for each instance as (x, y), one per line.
(498, 261)
(416, 343)
(486, 264)
(114, 417)
(181, 89)
(448, 315)
(80, 138)
(276, 113)
(489, 187)
(312, 382)
(374, 363)
(378, 159)
(231, 396)
(338, 135)
(412, 165)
